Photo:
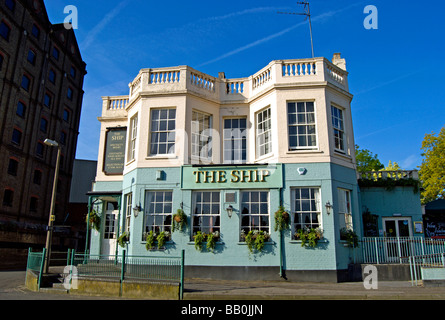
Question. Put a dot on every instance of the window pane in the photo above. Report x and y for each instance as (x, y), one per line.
(162, 131)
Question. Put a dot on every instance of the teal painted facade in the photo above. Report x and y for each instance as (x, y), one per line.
(330, 254)
(401, 203)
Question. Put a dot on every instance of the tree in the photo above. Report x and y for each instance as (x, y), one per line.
(366, 161)
(392, 166)
(432, 169)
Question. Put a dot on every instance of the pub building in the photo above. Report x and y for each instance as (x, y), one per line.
(228, 153)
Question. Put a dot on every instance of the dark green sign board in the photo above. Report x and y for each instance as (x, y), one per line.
(232, 177)
(114, 156)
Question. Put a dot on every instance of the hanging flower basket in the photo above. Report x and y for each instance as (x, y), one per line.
(94, 220)
(281, 219)
(179, 220)
(123, 239)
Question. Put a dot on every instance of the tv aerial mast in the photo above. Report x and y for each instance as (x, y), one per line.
(307, 13)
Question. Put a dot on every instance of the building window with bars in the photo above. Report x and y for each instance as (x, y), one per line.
(206, 212)
(254, 211)
(263, 133)
(201, 137)
(162, 135)
(338, 127)
(306, 209)
(344, 209)
(128, 209)
(133, 137)
(301, 125)
(235, 140)
(158, 212)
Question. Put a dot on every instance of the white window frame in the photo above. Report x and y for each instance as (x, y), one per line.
(338, 128)
(160, 212)
(162, 132)
(133, 137)
(128, 210)
(201, 142)
(299, 211)
(255, 217)
(235, 141)
(345, 209)
(302, 126)
(263, 128)
(200, 216)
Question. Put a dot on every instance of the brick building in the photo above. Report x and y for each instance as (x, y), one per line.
(41, 80)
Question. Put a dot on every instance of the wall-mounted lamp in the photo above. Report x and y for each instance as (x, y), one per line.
(136, 210)
(328, 207)
(229, 211)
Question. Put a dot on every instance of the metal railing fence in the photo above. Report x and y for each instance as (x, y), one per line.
(35, 263)
(391, 250)
(416, 263)
(128, 267)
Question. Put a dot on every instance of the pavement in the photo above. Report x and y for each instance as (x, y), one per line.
(198, 289)
(12, 287)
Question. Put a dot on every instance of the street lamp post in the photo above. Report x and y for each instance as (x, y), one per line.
(51, 219)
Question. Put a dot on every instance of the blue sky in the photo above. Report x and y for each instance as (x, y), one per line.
(396, 71)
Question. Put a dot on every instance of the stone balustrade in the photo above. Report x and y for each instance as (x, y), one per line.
(276, 73)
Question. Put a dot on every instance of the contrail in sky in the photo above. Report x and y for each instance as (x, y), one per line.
(276, 35)
(91, 37)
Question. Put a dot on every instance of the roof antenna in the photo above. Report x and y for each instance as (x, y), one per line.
(307, 13)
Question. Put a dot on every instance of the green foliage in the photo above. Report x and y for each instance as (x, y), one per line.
(211, 242)
(160, 238)
(179, 220)
(123, 239)
(281, 219)
(390, 184)
(199, 238)
(150, 240)
(94, 220)
(255, 240)
(309, 237)
(350, 236)
(432, 169)
(366, 160)
(210, 239)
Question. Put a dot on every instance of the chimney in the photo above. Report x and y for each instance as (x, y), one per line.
(338, 61)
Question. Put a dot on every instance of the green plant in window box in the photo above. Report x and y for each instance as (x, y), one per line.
(281, 219)
(162, 238)
(123, 239)
(94, 220)
(150, 240)
(350, 236)
(199, 238)
(255, 240)
(309, 237)
(156, 240)
(211, 240)
(179, 220)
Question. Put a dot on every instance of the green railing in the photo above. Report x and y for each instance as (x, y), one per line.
(36, 261)
(131, 268)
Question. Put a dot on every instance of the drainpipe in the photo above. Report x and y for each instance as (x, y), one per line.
(281, 248)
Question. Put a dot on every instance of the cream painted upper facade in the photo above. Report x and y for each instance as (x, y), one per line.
(318, 81)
